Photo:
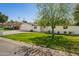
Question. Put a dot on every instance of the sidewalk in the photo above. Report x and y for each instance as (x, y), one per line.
(9, 32)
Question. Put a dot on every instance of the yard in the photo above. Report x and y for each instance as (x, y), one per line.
(60, 42)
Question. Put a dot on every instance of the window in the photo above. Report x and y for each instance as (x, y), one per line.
(35, 27)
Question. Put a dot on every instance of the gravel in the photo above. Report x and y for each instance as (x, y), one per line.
(40, 51)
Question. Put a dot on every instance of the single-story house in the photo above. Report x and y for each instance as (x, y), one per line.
(58, 29)
(29, 27)
(16, 25)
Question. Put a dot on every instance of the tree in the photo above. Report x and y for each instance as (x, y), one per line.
(53, 14)
(3, 18)
(76, 14)
(41, 23)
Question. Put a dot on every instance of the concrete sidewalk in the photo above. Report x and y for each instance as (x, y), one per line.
(10, 32)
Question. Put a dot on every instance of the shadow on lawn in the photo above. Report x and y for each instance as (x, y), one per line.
(59, 43)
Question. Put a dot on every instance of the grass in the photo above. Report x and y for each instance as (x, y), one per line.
(60, 42)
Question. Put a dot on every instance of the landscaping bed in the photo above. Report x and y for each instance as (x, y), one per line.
(59, 42)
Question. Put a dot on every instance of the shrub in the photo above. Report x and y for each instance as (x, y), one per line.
(16, 27)
(5, 28)
(31, 30)
(58, 32)
(8, 28)
(70, 32)
(49, 31)
(1, 28)
(65, 32)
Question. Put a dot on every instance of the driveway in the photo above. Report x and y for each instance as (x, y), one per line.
(8, 47)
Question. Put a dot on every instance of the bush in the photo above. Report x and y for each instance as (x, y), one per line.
(58, 32)
(70, 32)
(65, 32)
(49, 31)
(31, 30)
(8, 28)
(1, 27)
(16, 27)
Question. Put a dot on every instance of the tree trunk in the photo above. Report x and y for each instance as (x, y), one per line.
(41, 28)
(53, 31)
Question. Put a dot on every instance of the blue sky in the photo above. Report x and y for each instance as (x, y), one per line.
(25, 11)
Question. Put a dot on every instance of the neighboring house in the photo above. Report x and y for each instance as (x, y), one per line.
(58, 29)
(16, 25)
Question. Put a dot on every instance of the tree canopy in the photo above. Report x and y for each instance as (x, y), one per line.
(3, 18)
(76, 14)
(53, 14)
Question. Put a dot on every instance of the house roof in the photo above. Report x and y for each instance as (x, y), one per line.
(12, 23)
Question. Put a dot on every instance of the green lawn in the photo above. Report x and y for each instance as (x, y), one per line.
(60, 42)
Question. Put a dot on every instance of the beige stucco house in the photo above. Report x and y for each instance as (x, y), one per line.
(58, 29)
(29, 27)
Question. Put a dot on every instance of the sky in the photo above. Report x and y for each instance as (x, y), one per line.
(25, 11)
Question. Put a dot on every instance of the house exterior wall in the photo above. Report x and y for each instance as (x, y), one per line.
(28, 27)
(73, 29)
(37, 29)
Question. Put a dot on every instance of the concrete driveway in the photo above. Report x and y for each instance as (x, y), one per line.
(8, 47)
